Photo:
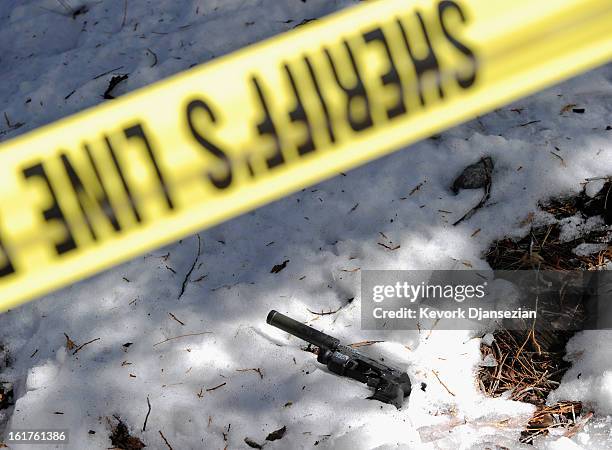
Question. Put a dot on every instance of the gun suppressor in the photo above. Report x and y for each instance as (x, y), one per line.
(390, 385)
(304, 332)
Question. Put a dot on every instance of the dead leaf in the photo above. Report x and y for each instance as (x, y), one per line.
(112, 84)
(277, 434)
(567, 108)
(251, 443)
(70, 345)
(278, 267)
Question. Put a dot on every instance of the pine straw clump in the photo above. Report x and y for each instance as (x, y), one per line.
(598, 205)
(529, 374)
(530, 364)
(523, 368)
(543, 249)
(560, 415)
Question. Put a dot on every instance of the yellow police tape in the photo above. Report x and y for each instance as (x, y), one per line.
(105, 185)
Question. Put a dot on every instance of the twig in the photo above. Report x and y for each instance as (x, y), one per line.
(559, 156)
(165, 440)
(83, 345)
(124, 14)
(388, 247)
(481, 203)
(442, 383)
(106, 73)
(529, 123)
(154, 57)
(258, 370)
(12, 126)
(216, 387)
(195, 261)
(112, 84)
(324, 313)
(144, 426)
(174, 317)
(579, 425)
(416, 188)
(183, 335)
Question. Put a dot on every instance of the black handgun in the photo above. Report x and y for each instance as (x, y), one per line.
(390, 385)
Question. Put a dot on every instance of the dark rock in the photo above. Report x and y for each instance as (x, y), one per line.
(474, 176)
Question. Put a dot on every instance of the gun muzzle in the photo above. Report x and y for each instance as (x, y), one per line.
(302, 331)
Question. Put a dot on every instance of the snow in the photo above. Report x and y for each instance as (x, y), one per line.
(46, 55)
(590, 378)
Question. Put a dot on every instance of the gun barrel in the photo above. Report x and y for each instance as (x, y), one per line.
(304, 332)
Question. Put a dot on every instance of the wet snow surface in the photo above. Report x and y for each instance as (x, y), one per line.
(201, 396)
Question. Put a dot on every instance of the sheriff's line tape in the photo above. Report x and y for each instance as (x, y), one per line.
(560, 28)
(37, 255)
(193, 174)
(427, 84)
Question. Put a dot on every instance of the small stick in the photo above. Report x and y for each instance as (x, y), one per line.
(106, 73)
(195, 261)
(529, 123)
(416, 188)
(183, 335)
(559, 156)
(442, 383)
(216, 387)
(165, 440)
(154, 57)
(174, 317)
(324, 313)
(124, 14)
(83, 345)
(480, 204)
(388, 247)
(144, 426)
(579, 425)
(258, 370)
